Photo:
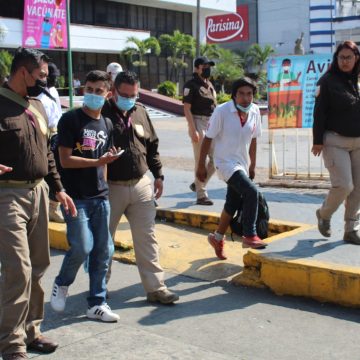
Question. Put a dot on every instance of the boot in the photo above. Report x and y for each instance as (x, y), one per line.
(55, 213)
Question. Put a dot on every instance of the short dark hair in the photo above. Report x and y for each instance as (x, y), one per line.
(245, 81)
(126, 77)
(286, 61)
(29, 58)
(99, 75)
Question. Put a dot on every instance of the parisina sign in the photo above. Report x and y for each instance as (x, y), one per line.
(228, 27)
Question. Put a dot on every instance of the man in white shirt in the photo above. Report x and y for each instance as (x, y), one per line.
(234, 127)
(50, 99)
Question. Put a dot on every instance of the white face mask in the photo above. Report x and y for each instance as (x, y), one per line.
(286, 68)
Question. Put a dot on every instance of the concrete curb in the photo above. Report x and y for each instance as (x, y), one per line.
(326, 282)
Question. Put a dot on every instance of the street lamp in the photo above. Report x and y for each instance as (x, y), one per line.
(198, 28)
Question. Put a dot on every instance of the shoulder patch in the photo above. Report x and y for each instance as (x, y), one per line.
(186, 91)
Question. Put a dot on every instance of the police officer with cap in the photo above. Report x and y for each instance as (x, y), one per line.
(199, 103)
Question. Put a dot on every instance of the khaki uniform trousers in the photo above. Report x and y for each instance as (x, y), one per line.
(137, 203)
(342, 158)
(24, 257)
(201, 123)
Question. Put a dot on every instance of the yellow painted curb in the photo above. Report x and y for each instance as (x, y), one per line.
(326, 282)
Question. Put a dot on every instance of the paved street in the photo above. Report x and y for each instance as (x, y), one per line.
(213, 320)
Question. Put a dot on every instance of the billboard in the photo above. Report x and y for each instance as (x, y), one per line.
(291, 89)
(228, 27)
(44, 25)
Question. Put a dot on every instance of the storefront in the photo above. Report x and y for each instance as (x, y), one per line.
(100, 28)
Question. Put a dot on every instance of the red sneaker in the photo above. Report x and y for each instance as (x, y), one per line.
(254, 242)
(218, 246)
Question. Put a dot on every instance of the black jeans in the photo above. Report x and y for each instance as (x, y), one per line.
(241, 187)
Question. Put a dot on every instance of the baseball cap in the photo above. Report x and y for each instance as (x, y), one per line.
(203, 60)
(113, 69)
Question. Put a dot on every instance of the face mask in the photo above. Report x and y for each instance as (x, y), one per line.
(206, 73)
(124, 103)
(244, 109)
(286, 68)
(93, 101)
(37, 89)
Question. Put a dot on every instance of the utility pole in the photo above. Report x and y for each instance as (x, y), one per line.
(198, 28)
(69, 55)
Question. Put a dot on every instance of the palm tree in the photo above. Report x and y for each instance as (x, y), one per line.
(211, 51)
(257, 56)
(178, 46)
(228, 68)
(140, 49)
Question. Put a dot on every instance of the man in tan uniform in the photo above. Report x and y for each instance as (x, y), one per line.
(25, 162)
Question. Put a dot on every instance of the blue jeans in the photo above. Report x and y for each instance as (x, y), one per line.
(241, 187)
(89, 237)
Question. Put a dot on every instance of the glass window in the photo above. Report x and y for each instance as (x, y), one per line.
(151, 19)
(170, 21)
(140, 17)
(132, 17)
(112, 14)
(15, 10)
(101, 13)
(179, 23)
(122, 15)
(188, 23)
(161, 20)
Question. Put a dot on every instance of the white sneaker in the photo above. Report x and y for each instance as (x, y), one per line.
(58, 297)
(103, 313)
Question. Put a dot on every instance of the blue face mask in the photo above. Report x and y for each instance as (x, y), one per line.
(93, 102)
(244, 109)
(124, 103)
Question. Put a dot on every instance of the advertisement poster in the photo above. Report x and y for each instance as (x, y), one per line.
(45, 24)
(291, 89)
(228, 27)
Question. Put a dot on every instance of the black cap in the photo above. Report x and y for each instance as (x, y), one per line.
(245, 81)
(53, 70)
(203, 60)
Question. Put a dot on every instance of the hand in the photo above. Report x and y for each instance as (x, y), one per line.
(109, 156)
(252, 173)
(5, 169)
(317, 149)
(158, 188)
(201, 173)
(194, 135)
(66, 201)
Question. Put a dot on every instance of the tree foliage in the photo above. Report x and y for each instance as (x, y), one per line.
(177, 47)
(257, 56)
(5, 64)
(140, 49)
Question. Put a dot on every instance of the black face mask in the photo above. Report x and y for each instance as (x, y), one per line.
(206, 73)
(37, 89)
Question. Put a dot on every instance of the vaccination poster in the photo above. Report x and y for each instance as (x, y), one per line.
(292, 87)
(45, 24)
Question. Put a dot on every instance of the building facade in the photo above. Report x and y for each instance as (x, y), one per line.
(100, 28)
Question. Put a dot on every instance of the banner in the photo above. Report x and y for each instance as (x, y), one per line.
(45, 24)
(291, 89)
(228, 27)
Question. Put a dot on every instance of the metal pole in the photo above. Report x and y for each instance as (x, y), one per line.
(69, 55)
(198, 28)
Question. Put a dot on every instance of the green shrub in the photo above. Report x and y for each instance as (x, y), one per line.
(167, 88)
(222, 97)
(61, 81)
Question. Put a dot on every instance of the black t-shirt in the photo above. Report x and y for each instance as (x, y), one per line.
(89, 138)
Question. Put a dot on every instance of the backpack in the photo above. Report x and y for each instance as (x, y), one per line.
(262, 221)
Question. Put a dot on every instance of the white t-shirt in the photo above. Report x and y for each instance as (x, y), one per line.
(52, 108)
(231, 140)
